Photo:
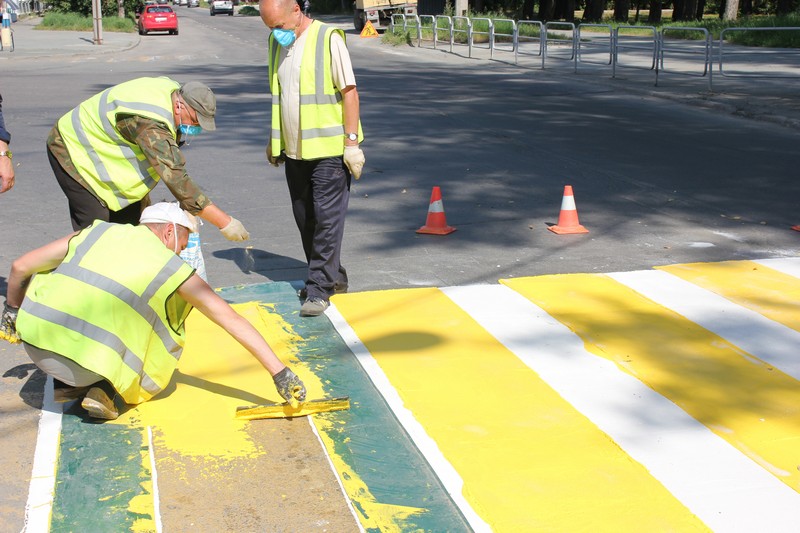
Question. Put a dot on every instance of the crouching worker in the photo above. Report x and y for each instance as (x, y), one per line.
(102, 311)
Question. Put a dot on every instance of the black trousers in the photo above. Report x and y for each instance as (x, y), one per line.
(84, 207)
(320, 191)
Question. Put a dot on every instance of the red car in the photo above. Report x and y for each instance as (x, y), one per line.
(158, 18)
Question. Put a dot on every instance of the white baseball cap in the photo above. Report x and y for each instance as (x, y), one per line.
(167, 212)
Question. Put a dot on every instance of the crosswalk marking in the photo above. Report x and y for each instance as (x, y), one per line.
(720, 485)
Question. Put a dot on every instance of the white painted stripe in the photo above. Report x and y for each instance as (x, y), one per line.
(41, 491)
(449, 477)
(725, 489)
(154, 478)
(335, 474)
(757, 335)
(787, 265)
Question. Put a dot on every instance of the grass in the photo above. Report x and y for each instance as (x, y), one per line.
(76, 22)
(712, 23)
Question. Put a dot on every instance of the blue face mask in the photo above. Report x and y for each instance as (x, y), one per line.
(284, 37)
(189, 129)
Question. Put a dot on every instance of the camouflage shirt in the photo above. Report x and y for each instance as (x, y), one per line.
(159, 147)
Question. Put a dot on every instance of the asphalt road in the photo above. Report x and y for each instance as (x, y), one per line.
(656, 181)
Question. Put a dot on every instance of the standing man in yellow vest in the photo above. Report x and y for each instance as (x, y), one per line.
(102, 311)
(109, 152)
(316, 131)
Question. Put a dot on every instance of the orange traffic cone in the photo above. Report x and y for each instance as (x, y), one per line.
(436, 224)
(796, 228)
(568, 217)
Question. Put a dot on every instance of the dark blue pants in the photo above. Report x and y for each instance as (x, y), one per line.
(320, 191)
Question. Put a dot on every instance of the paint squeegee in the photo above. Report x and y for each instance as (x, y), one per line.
(286, 410)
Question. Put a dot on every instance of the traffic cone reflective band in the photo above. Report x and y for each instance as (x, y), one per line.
(568, 218)
(436, 223)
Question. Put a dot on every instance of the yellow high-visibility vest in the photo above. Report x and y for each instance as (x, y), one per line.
(321, 110)
(112, 307)
(115, 169)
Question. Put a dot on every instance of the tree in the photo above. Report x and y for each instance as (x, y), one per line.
(731, 10)
(655, 12)
(621, 10)
(594, 10)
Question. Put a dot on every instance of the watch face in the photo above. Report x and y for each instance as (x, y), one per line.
(352, 136)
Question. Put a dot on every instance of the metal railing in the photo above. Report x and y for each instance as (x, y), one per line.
(636, 47)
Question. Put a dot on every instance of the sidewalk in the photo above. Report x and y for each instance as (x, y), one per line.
(30, 43)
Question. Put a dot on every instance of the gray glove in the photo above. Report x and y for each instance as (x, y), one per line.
(235, 231)
(354, 159)
(289, 386)
(8, 324)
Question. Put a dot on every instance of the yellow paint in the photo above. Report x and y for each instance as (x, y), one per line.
(750, 404)
(762, 289)
(215, 376)
(143, 505)
(528, 459)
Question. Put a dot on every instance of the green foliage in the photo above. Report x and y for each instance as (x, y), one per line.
(76, 22)
(84, 7)
(397, 37)
(249, 11)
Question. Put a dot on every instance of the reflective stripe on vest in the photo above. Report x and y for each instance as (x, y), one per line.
(116, 170)
(137, 355)
(321, 109)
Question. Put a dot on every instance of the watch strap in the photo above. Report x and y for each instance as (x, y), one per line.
(6, 153)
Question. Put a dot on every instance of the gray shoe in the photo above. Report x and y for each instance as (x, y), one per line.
(98, 404)
(314, 307)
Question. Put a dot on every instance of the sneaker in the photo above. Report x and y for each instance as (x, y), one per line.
(337, 289)
(66, 393)
(99, 405)
(314, 307)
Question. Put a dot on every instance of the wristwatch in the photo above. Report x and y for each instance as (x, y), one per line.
(351, 136)
(6, 153)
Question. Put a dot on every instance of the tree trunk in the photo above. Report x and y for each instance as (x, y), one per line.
(569, 10)
(594, 10)
(677, 10)
(546, 10)
(700, 10)
(731, 10)
(527, 10)
(655, 12)
(784, 7)
(621, 10)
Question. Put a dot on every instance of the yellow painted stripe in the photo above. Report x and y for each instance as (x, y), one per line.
(743, 400)
(769, 292)
(528, 459)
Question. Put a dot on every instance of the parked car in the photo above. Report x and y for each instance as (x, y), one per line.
(181, 2)
(221, 6)
(158, 18)
(193, 3)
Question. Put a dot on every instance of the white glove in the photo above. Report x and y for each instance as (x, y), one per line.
(274, 161)
(235, 231)
(354, 159)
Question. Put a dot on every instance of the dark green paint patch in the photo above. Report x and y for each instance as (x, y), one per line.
(99, 472)
(367, 437)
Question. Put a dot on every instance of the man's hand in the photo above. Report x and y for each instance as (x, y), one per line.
(289, 386)
(6, 174)
(235, 231)
(274, 161)
(8, 324)
(354, 159)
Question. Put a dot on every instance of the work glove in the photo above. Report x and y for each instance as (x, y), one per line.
(274, 161)
(8, 324)
(354, 159)
(235, 231)
(289, 386)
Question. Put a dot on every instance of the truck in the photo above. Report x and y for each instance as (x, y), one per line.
(379, 12)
